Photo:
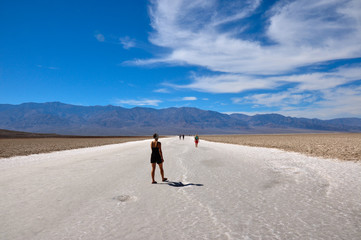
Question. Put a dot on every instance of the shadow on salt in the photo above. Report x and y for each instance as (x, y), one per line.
(180, 184)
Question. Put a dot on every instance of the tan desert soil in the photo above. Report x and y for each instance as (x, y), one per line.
(10, 147)
(343, 146)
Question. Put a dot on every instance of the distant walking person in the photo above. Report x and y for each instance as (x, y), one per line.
(157, 158)
(196, 140)
(183, 136)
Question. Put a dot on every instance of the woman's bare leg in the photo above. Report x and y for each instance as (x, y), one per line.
(153, 171)
(161, 171)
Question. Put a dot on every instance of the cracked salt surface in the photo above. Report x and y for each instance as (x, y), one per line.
(215, 191)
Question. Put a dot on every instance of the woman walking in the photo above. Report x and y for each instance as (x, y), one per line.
(196, 140)
(157, 158)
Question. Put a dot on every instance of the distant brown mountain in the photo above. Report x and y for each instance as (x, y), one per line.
(68, 119)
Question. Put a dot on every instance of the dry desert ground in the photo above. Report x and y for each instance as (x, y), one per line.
(343, 146)
(10, 147)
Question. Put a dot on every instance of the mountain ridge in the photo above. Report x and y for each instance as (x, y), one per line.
(61, 118)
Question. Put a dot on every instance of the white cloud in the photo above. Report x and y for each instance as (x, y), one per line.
(100, 37)
(304, 32)
(325, 80)
(226, 83)
(235, 83)
(143, 102)
(281, 99)
(340, 102)
(127, 42)
(162, 90)
(231, 12)
(319, 25)
(189, 99)
(330, 103)
(46, 67)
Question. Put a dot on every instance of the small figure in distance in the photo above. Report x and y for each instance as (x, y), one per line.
(180, 136)
(183, 136)
(157, 158)
(196, 140)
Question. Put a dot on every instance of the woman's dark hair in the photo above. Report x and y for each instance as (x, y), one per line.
(155, 136)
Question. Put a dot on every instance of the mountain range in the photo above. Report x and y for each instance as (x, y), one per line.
(60, 118)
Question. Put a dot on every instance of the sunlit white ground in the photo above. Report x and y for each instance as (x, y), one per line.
(216, 191)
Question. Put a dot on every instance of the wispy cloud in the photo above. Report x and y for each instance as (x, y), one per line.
(340, 102)
(301, 33)
(328, 103)
(162, 90)
(100, 37)
(234, 83)
(281, 99)
(46, 67)
(127, 42)
(226, 83)
(294, 34)
(189, 99)
(142, 102)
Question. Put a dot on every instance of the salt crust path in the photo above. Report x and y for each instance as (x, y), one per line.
(217, 191)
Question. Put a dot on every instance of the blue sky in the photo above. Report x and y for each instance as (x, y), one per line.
(297, 58)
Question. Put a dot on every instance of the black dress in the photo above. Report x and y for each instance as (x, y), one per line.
(155, 157)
